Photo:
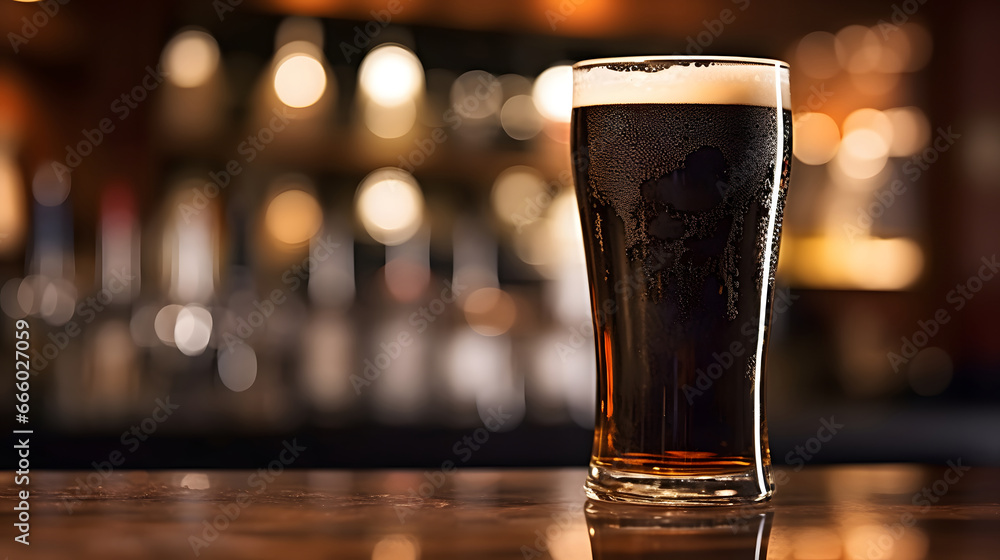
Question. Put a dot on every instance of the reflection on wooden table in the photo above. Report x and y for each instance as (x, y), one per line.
(901, 512)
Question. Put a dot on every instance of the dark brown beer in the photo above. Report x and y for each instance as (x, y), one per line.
(676, 201)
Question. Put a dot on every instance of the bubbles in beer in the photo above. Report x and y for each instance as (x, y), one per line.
(702, 169)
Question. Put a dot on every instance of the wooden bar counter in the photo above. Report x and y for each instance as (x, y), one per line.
(903, 512)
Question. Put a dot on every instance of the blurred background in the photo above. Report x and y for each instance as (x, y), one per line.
(353, 223)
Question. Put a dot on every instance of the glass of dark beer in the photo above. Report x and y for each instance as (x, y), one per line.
(681, 165)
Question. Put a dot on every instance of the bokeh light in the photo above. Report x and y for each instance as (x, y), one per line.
(476, 95)
(858, 49)
(816, 138)
(490, 311)
(864, 150)
(396, 547)
(237, 367)
(165, 321)
(816, 55)
(390, 121)
(406, 279)
(195, 481)
(519, 195)
(816, 543)
(390, 75)
(520, 118)
(865, 144)
(862, 155)
(293, 217)
(190, 58)
(835, 262)
(193, 329)
(29, 293)
(873, 120)
(896, 51)
(49, 188)
(58, 300)
(8, 299)
(553, 93)
(921, 45)
(911, 131)
(390, 205)
(12, 209)
(300, 80)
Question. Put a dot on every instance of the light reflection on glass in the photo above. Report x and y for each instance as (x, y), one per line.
(622, 532)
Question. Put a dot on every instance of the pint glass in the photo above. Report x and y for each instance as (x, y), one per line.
(681, 167)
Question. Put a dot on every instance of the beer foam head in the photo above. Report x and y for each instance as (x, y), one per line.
(681, 79)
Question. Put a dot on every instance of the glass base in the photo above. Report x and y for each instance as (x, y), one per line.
(611, 485)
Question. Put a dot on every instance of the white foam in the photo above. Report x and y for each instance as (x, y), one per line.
(747, 82)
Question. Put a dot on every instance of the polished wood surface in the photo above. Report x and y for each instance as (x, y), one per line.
(902, 512)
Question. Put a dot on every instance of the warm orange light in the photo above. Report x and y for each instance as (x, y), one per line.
(300, 80)
(911, 130)
(871, 119)
(190, 58)
(858, 49)
(816, 138)
(293, 217)
(859, 264)
(519, 196)
(406, 279)
(390, 75)
(390, 121)
(390, 205)
(553, 93)
(816, 55)
(490, 311)
(12, 210)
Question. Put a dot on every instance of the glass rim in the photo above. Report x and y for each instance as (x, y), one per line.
(597, 62)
